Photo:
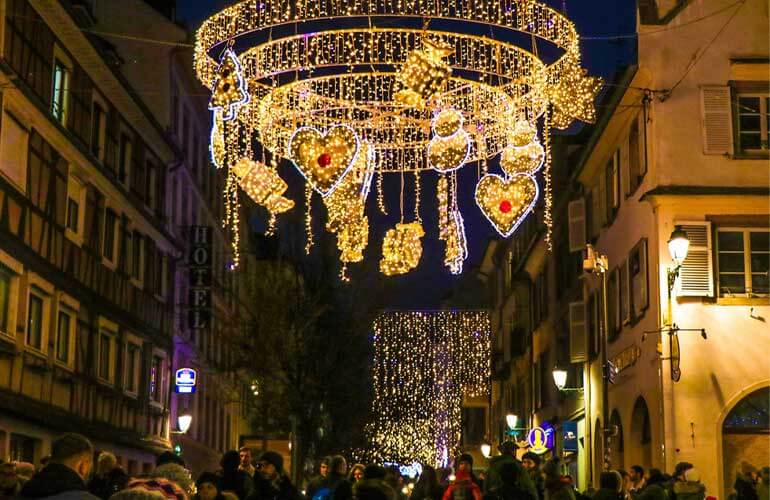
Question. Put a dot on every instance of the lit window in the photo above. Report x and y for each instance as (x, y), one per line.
(75, 201)
(156, 379)
(743, 257)
(61, 87)
(753, 122)
(35, 322)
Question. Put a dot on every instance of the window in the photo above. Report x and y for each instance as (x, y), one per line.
(152, 187)
(110, 235)
(637, 167)
(98, 130)
(124, 162)
(61, 89)
(625, 302)
(613, 305)
(637, 273)
(35, 321)
(753, 122)
(612, 177)
(106, 369)
(14, 140)
(65, 331)
(133, 367)
(5, 299)
(156, 379)
(743, 259)
(137, 261)
(76, 197)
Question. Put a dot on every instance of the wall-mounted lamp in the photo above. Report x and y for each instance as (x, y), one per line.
(511, 419)
(183, 423)
(486, 450)
(678, 246)
(560, 380)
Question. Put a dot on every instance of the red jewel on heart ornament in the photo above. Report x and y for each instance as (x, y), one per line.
(324, 160)
(505, 206)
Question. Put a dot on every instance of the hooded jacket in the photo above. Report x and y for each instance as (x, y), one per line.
(57, 482)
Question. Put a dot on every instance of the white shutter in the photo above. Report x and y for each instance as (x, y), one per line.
(716, 123)
(577, 225)
(696, 277)
(577, 332)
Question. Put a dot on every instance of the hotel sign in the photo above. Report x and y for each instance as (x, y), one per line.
(200, 258)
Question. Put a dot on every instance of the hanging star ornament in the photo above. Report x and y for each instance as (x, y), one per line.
(573, 96)
(324, 159)
(506, 202)
(229, 91)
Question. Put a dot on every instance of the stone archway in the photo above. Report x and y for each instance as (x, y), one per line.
(640, 435)
(746, 434)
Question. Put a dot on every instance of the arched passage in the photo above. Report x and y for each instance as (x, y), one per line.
(616, 453)
(640, 435)
(746, 434)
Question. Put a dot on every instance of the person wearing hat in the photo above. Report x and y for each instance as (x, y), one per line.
(208, 487)
(270, 481)
(151, 488)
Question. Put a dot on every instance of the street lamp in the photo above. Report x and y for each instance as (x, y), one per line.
(183, 423)
(678, 246)
(560, 380)
(511, 420)
(486, 450)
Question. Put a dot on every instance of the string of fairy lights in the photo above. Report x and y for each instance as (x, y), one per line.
(424, 365)
(380, 96)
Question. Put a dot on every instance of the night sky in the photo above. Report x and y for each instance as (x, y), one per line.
(597, 22)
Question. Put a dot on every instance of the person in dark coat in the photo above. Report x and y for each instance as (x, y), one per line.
(337, 480)
(610, 486)
(109, 478)
(233, 479)
(64, 476)
(315, 483)
(531, 462)
(554, 487)
(208, 487)
(270, 481)
(691, 488)
(510, 485)
(427, 486)
(494, 473)
(655, 489)
(744, 482)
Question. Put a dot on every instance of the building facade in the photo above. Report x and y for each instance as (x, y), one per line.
(86, 310)
(681, 142)
(105, 182)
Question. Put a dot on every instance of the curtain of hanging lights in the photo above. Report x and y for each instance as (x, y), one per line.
(425, 364)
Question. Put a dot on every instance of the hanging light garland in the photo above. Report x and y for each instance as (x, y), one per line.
(422, 99)
(424, 364)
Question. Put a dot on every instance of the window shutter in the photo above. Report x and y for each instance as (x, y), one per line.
(577, 332)
(717, 120)
(577, 225)
(696, 275)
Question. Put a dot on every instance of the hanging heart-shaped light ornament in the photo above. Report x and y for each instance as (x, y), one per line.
(263, 185)
(324, 159)
(505, 203)
(523, 133)
(522, 160)
(401, 249)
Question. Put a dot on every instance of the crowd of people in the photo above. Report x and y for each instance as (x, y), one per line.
(70, 474)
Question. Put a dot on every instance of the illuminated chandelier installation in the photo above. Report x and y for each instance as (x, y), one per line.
(353, 90)
(424, 365)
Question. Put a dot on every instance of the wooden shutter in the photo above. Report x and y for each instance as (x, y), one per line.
(577, 225)
(696, 277)
(577, 332)
(717, 120)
